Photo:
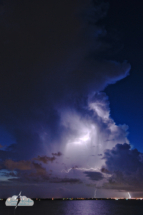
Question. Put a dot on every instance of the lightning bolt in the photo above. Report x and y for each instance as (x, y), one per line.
(129, 195)
(95, 193)
(18, 197)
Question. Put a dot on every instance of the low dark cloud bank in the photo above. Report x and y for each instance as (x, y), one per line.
(95, 176)
(66, 180)
(45, 159)
(126, 167)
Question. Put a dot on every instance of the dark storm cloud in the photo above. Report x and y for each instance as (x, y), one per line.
(57, 154)
(104, 170)
(66, 180)
(9, 174)
(22, 165)
(49, 61)
(91, 185)
(39, 169)
(6, 154)
(38, 36)
(126, 167)
(38, 174)
(25, 171)
(95, 176)
(45, 159)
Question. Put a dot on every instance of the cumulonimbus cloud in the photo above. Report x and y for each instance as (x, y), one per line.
(125, 166)
(56, 106)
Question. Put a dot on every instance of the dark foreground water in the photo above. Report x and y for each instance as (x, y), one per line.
(83, 207)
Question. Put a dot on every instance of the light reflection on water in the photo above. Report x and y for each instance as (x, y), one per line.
(90, 208)
(83, 207)
(104, 207)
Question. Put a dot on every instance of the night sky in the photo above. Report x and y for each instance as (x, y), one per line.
(71, 119)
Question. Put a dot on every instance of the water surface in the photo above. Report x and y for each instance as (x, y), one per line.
(83, 207)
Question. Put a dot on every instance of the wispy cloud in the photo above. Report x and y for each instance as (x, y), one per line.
(45, 159)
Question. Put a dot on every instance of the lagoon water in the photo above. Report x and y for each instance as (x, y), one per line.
(79, 207)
